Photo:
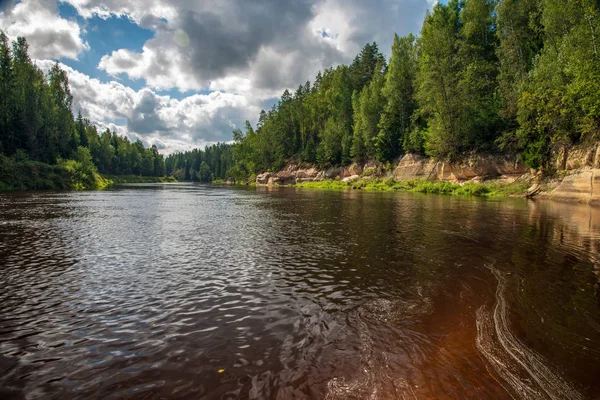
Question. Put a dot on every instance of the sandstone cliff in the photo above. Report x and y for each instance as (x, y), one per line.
(578, 180)
(577, 177)
(411, 166)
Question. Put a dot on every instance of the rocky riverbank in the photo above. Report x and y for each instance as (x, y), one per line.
(576, 177)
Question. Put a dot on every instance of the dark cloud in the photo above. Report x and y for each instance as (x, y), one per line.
(402, 17)
(274, 44)
(144, 118)
(229, 38)
(152, 22)
(49, 42)
(250, 50)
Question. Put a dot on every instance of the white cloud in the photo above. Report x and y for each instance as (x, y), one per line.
(246, 51)
(48, 35)
(135, 10)
(193, 121)
(252, 47)
(159, 67)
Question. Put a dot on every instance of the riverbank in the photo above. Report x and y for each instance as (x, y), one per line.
(115, 179)
(21, 174)
(492, 188)
(573, 176)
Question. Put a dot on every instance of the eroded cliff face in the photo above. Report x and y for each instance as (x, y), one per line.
(411, 166)
(581, 187)
(474, 168)
(579, 176)
(578, 173)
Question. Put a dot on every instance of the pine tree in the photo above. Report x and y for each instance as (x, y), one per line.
(368, 106)
(7, 140)
(520, 40)
(437, 81)
(398, 93)
(478, 74)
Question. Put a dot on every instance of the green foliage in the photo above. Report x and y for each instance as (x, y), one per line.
(438, 81)
(204, 174)
(137, 179)
(399, 101)
(457, 78)
(368, 106)
(559, 102)
(18, 172)
(330, 149)
(520, 40)
(423, 186)
(214, 162)
(414, 140)
(365, 65)
(37, 128)
(484, 76)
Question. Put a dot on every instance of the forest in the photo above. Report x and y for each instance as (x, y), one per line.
(42, 145)
(213, 163)
(483, 76)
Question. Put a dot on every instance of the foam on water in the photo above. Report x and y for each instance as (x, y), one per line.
(525, 374)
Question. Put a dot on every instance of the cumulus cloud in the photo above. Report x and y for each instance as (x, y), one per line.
(352, 23)
(265, 46)
(169, 123)
(136, 10)
(241, 39)
(48, 35)
(246, 52)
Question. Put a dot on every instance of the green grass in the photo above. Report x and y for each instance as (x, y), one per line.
(139, 179)
(328, 184)
(243, 182)
(423, 186)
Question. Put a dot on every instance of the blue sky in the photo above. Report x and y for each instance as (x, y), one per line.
(104, 36)
(184, 73)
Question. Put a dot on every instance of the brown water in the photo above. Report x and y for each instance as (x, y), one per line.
(148, 291)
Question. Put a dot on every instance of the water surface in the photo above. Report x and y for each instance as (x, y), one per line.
(185, 291)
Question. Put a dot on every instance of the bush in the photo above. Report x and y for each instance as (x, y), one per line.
(82, 172)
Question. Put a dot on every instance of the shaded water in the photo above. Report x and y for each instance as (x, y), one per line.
(148, 291)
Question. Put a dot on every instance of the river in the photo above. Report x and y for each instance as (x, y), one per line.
(196, 291)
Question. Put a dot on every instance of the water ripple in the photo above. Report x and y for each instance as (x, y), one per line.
(190, 291)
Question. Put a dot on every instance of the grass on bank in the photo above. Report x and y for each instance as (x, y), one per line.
(424, 186)
(139, 179)
(18, 172)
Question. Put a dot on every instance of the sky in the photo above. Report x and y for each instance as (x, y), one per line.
(182, 74)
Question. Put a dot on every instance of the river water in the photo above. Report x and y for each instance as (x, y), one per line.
(190, 291)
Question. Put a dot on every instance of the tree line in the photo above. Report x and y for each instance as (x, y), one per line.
(483, 76)
(212, 163)
(486, 76)
(37, 123)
